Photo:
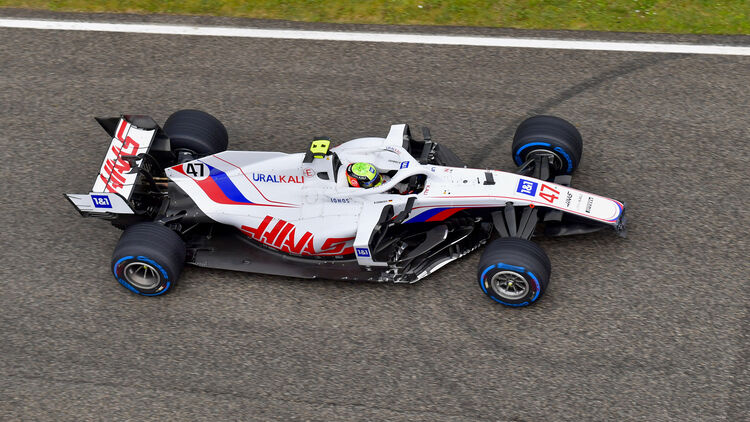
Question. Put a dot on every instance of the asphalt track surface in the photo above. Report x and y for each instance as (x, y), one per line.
(652, 327)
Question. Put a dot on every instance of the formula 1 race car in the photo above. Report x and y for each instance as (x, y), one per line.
(182, 198)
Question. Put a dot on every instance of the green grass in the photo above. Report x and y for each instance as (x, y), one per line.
(676, 16)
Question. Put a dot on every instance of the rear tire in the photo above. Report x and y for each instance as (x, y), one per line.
(550, 134)
(514, 271)
(148, 259)
(196, 131)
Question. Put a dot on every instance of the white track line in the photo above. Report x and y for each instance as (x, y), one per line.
(294, 34)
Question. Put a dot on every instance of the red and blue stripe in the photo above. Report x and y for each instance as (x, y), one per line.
(219, 187)
(619, 213)
(434, 214)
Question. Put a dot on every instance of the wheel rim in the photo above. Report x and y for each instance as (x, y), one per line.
(557, 161)
(509, 285)
(142, 275)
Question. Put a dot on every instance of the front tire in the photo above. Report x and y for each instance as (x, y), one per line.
(514, 271)
(148, 259)
(551, 135)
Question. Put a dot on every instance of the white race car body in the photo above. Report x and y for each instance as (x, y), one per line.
(300, 206)
(304, 209)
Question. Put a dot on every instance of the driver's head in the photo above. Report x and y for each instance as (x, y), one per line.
(363, 175)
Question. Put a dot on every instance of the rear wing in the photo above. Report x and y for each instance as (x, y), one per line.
(115, 175)
(132, 136)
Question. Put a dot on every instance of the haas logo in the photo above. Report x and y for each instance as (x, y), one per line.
(282, 236)
(114, 170)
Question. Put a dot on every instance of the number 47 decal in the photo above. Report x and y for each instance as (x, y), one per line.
(548, 196)
(197, 171)
(194, 169)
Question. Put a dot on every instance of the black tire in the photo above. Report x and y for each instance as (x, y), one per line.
(148, 259)
(514, 272)
(196, 131)
(552, 134)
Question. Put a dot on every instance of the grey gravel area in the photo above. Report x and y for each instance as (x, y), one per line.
(652, 327)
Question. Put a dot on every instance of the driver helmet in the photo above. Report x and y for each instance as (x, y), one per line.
(363, 175)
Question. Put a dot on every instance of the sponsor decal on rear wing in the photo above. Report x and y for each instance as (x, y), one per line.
(115, 175)
(100, 203)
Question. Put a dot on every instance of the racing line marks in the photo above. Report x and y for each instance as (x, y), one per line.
(506, 132)
(381, 37)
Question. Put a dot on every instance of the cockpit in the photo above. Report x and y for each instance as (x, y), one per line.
(401, 173)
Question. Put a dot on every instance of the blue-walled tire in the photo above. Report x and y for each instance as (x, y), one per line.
(148, 259)
(551, 134)
(514, 272)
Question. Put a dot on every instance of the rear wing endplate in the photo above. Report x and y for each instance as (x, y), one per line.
(131, 136)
